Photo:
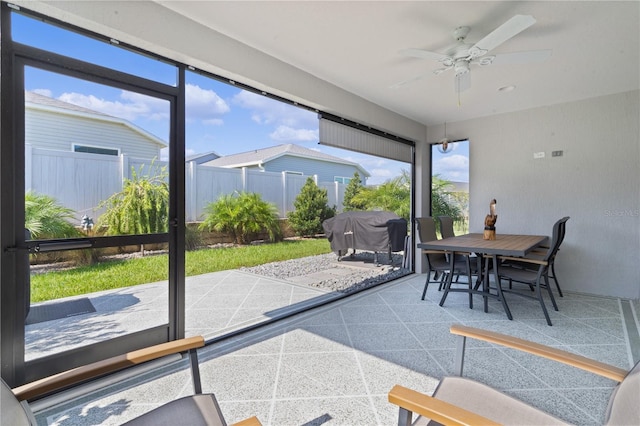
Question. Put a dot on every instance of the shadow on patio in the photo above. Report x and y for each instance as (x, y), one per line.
(335, 364)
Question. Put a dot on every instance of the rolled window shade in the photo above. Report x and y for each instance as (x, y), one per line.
(348, 137)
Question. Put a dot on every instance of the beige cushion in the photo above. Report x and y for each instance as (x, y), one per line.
(624, 405)
(192, 410)
(11, 412)
(490, 403)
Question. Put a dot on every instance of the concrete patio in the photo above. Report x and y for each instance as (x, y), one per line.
(335, 364)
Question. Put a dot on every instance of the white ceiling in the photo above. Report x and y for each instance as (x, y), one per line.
(354, 45)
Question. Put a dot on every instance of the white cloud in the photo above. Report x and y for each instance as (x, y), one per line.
(381, 173)
(204, 105)
(132, 106)
(452, 167)
(285, 133)
(214, 122)
(267, 111)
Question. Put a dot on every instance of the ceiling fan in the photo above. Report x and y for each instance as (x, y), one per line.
(462, 55)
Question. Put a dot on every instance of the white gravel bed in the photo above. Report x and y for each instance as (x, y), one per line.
(356, 278)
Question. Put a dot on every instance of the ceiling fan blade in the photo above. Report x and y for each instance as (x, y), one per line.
(463, 82)
(504, 32)
(423, 54)
(528, 57)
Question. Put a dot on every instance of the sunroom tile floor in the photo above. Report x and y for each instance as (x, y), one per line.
(334, 365)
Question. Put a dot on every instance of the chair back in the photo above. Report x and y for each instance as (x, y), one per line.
(427, 232)
(12, 411)
(446, 226)
(623, 406)
(563, 229)
(426, 229)
(556, 239)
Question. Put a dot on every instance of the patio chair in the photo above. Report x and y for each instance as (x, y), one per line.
(542, 250)
(437, 260)
(197, 409)
(534, 270)
(458, 400)
(446, 231)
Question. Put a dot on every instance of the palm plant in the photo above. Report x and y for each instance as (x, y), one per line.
(393, 195)
(242, 214)
(45, 218)
(443, 201)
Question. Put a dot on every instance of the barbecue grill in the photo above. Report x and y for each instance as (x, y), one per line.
(371, 231)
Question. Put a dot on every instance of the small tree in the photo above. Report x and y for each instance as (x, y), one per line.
(241, 215)
(142, 207)
(354, 187)
(45, 218)
(311, 209)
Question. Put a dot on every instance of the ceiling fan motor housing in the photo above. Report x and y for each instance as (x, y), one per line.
(461, 66)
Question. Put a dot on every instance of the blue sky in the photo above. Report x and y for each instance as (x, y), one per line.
(220, 117)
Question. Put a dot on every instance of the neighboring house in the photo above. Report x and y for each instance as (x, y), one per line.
(202, 158)
(79, 129)
(294, 159)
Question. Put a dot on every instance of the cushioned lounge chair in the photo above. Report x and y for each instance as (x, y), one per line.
(197, 409)
(458, 401)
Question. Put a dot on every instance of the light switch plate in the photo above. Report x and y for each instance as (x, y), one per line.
(537, 155)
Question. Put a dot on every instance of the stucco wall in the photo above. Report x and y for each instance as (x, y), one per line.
(596, 181)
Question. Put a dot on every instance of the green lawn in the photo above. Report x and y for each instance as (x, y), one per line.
(125, 273)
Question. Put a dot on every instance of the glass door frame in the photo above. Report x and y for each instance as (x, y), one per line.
(14, 270)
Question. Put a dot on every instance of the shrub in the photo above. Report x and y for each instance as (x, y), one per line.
(142, 207)
(45, 218)
(242, 214)
(311, 209)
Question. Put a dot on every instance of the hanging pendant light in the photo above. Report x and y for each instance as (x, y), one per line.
(444, 145)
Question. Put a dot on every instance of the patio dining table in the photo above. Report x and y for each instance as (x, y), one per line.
(503, 245)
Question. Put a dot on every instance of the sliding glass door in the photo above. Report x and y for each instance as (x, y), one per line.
(93, 254)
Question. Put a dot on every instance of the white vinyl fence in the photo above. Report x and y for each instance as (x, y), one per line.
(81, 181)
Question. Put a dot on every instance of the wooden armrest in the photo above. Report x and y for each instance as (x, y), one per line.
(578, 361)
(434, 251)
(107, 366)
(251, 421)
(524, 260)
(434, 409)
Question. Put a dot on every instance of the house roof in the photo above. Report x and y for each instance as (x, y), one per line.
(203, 158)
(264, 155)
(45, 103)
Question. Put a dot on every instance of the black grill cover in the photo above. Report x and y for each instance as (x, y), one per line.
(373, 231)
